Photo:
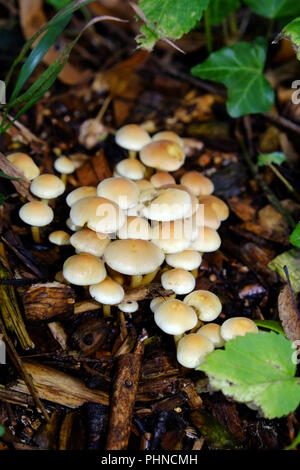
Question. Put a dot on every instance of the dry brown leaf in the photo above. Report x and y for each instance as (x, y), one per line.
(289, 314)
(32, 19)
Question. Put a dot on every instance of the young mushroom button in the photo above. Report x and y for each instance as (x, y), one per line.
(174, 317)
(163, 155)
(37, 214)
(83, 270)
(178, 280)
(107, 292)
(168, 135)
(207, 240)
(122, 191)
(100, 214)
(197, 183)
(25, 163)
(59, 237)
(219, 206)
(64, 166)
(47, 186)
(206, 304)
(237, 326)
(161, 178)
(170, 204)
(132, 137)
(88, 241)
(80, 193)
(192, 350)
(212, 331)
(131, 168)
(187, 259)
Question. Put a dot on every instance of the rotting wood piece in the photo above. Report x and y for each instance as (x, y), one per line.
(91, 335)
(94, 170)
(47, 301)
(146, 292)
(123, 399)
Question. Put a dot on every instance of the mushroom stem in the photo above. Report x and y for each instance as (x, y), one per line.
(177, 338)
(199, 323)
(64, 177)
(118, 277)
(35, 231)
(106, 310)
(132, 154)
(194, 272)
(149, 277)
(45, 201)
(136, 280)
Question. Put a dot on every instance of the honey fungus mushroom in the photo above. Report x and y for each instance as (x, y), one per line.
(84, 270)
(163, 155)
(131, 168)
(24, 163)
(198, 184)
(132, 137)
(175, 317)
(88, 241)
(168, 135)
(59, 237)
(178, 280)
(80, 193)
(107, 292)
(169, 204)
(212, 331)
(206, 304)
(192, 350)
(237, 326)
(65, 167)
(36, 214)
(47, 186)
(122, 191)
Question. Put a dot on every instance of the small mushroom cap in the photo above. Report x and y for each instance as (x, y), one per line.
(161, 178)
(192, 350)
(171, 236)
(122, 191)
(64, 165)
(169, 204)
(207, 240)
(100, 214)
(59, 237)
(156, 302)
(178, 280)
(174, 317)
(72, 226)
(135, 227)
(129, 306)
(83, 270)
(47, 186)
(133, 257)
(163, 155)
(80, 193)
(25, 163)
(131, 168)
(132, 137)
(212, 331)
(168, 135)
(36, 214)
(198, 184)
(187, 259)
(237, 326)
(144, 184)
(107, 292)
(219, 206)
(206, 304)
(206, 216)
(88, 241)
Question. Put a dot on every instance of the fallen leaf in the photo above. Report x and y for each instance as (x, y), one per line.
(289, 314)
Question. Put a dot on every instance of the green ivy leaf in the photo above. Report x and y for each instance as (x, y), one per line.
(240, 69)
(169, 18)
(274, 157)
(274, 8)
(270, 325)
(257, 369)
(218, 10)
(292, 32)
(295, 236)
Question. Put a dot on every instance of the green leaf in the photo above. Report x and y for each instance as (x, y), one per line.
(169, 18)
(292, 32)
(58, 4)
(295, 236)
(270, 325)
(2, 199)
(274, 157)
(274, 8)
(295, 443)
(240, 69)
(218, 10)
(2, 430)
(4, 175)
(257, 369)
(290, 259)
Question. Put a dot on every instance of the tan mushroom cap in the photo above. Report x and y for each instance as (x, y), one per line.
(162, 178)
(219, 206)
(187, 259)
(192, 350)
(206, 216)
(174, 317)
(156, 302)
(72, 226)
(206, 304)
(198, 184)
(178, 280)
(64, 165)
(36, 214)
(135, 227)
(169, 204)
(122, 191)
(84, 270)
(237, 326)
(100, 214)
(107, 292)
(144, 184)
(128, 306)
(131, 168)
(80, 193)
(133, 257)
(47, 186)
(24, 163)
(208, 240)
(171, 237)
(132, 137)
(168, 135)
(212, 331)
(88, 241)
(59, 237)
(163, 155)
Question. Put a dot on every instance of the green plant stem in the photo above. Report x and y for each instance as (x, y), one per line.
(208, 35)
(284, 181)
(233, 25)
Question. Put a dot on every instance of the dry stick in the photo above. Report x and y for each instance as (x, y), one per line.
(123, 399)
(254, 170)
(21, 368)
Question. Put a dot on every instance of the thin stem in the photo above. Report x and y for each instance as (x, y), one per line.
(132, 154)
(103, 108)
(36, 234)
(225, 31)
(233, 25)
(285, 181)
(207, 26)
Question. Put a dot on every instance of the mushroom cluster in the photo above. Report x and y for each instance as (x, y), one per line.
(140, 225)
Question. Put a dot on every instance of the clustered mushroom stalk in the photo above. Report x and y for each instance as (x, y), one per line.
(142, 225)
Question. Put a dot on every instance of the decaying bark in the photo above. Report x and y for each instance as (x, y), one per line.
(146, 292)
(21, 183)
(90, 335)
(46, 301)
(123, 399)
(94, 170)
